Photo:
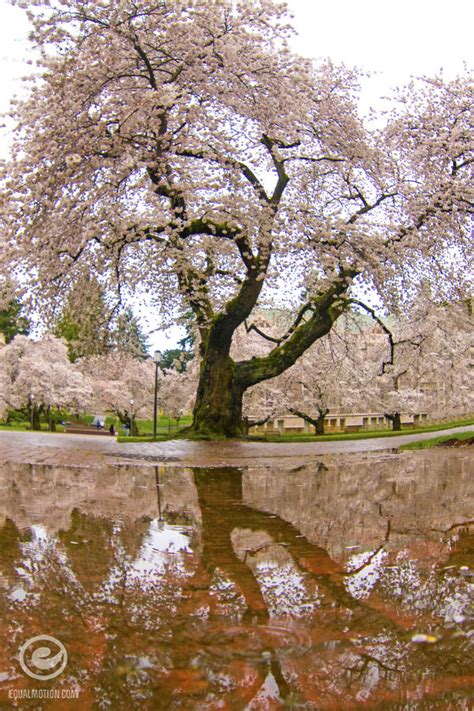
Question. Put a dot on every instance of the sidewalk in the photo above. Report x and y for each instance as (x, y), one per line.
(87, 450)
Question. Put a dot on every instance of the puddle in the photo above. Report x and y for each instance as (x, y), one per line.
(344, 584)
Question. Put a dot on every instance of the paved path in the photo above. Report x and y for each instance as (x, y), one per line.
(86, 450)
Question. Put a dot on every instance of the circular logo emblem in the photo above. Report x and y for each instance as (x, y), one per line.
(43, 657)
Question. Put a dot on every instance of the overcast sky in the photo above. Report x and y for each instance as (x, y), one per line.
(399, 38)
(396, 40)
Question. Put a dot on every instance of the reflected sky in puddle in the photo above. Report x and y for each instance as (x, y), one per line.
(343, 584)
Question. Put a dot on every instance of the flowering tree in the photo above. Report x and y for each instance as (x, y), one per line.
(332, 375)
(39, 375)
(324, 381)
(431, 367)
(181, 147)
(417, 362)
(177, 391)
(121, 384)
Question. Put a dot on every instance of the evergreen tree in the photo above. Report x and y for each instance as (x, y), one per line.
(12, 321)
(84, 320)
(128, 336)
(175, 359)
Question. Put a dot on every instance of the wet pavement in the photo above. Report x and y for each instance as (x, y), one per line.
(245, 576)
(344, 583)
(84, 450)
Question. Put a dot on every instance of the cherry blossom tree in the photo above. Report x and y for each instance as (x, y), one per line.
(177, 391)
(422, 362)
(416, 362)
(443, 372)
(437, 350)
(182, 151)
(334, 374)
(121, 384)
(38, 375)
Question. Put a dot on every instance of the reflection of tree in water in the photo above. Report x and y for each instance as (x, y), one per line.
(386, 656)
(87, 543)
(172, 628)
(220, 499)
(10, 538)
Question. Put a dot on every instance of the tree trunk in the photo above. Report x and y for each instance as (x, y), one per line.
(320, 424)
(51, 420)
(218, 408)
(317, 422)
(35, 419)
(396, 420)
(222, 382)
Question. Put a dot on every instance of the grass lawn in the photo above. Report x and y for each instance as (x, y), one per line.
(26, 427)
(165, 426)
(341, 436)
(434, 441)
(168, 428)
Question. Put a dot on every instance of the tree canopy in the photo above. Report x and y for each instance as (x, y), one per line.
(181, 150)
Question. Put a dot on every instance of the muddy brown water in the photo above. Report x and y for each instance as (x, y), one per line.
(343, 582)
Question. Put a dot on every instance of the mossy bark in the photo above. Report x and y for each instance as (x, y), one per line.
(218, 409)
(223, 381)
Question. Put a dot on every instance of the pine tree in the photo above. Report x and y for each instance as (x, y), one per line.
(128, 336)
(84, 320)
(12, 321)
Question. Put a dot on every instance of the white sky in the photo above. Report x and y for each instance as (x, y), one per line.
(396, 40)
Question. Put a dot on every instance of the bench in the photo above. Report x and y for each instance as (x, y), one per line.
(85, 429)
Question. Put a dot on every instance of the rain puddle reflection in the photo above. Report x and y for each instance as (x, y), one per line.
(343, 584)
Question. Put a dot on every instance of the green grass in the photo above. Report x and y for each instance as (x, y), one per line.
(335, 437)
(341, 436)
(164, 426)
(165, 429)
(435, 441)
(168, 429)
(26, 427)
(145, 427)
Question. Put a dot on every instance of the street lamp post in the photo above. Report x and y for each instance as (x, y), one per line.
(131, 418)
(32, 405)
(156, 360)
